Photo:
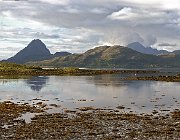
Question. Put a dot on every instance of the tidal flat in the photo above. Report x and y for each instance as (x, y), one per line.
(85, 123)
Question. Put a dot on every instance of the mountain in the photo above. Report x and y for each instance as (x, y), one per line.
(35, 51)
(146, 50)
(61, 54)
(109, 57)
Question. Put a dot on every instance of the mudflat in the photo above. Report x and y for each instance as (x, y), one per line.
(85, 123)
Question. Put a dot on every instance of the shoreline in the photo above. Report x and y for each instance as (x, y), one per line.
(85, 123)
(88, 72)
(175, 78)
(70, 71)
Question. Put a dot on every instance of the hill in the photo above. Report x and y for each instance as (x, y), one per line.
(110, 57)
(146, 50)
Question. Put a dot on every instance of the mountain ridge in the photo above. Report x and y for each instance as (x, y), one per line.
(146, 50)
(36, 53)
(110, 57)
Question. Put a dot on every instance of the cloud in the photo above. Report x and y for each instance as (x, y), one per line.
(150, 40)
(98, 10)
(123, 14)
(167, 44)
(130, 37)
(46, 36)
(56, 2)
(77, 25)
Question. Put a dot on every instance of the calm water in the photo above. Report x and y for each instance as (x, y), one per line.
(105, 91)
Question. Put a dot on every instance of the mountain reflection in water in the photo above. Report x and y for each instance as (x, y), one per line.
(37, 83)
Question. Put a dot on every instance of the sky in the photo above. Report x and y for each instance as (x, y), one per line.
(78, 25)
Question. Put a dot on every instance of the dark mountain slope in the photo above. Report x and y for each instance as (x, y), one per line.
(146, 50)
(60, 54)
(35, 51)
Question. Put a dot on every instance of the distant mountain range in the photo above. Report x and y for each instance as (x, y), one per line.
(146, 50)
(117, 56)
(35, 51)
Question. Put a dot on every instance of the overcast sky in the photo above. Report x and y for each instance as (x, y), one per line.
(78, 25)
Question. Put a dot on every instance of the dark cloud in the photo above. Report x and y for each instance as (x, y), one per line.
(167, 44)
(46, 36)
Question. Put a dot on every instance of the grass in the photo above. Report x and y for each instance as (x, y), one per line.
(11, 69)
(13, 66)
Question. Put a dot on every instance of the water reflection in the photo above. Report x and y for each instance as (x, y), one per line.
(6, 81)
(99, 91)
(114, 81)
(105, 80)
(37, 83)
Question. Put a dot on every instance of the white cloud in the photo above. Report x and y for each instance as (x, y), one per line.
(123, 14)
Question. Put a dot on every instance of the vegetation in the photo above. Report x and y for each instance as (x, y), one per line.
(175, 78)
(112, 57)
(11, 69)
(12, 66)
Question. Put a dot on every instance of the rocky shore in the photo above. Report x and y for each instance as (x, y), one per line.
(86, 123)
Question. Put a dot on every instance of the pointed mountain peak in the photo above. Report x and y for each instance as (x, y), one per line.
(36, 43)
(36, 46)
(36, 50)
(36, 40)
